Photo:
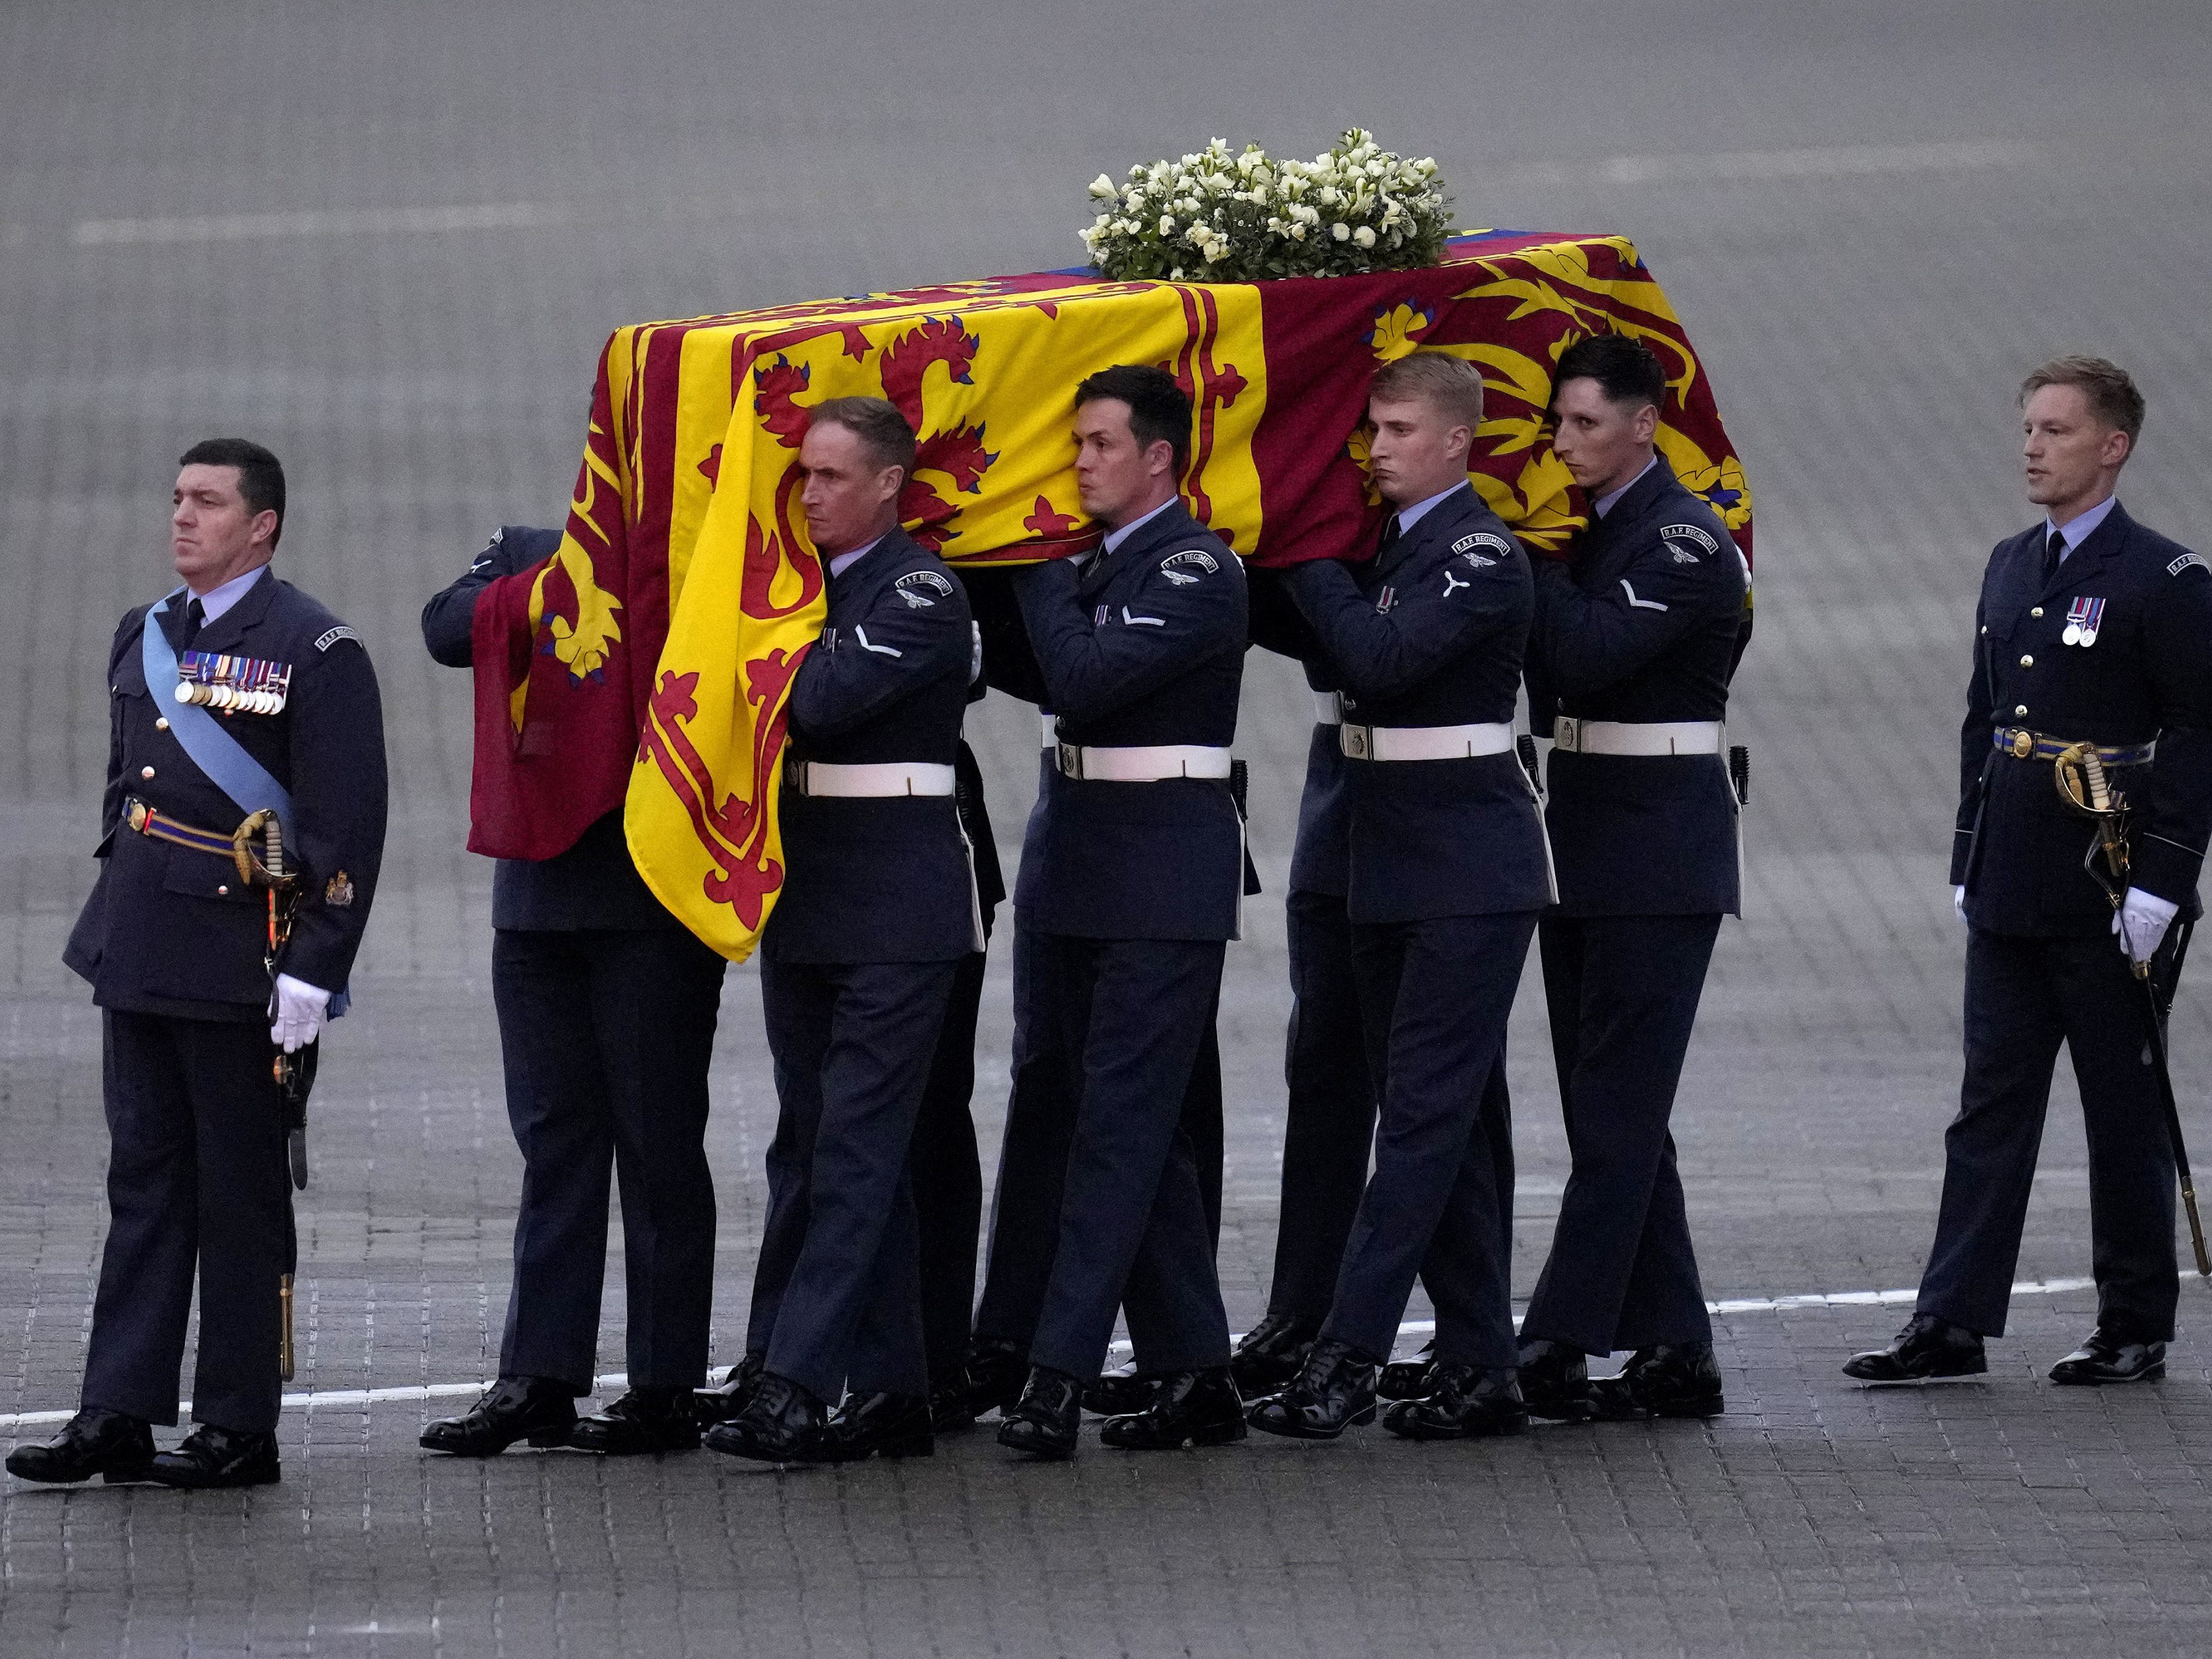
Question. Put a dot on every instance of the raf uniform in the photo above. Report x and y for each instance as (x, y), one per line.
(1630, 657)
(172, 940)
(1132, 895)
(1447, 870)
(878, 913)
(607, 1008)
(2042, 966)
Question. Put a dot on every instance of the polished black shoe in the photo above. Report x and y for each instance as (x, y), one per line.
(209, 1457)
(645, 1420)
(107, 1443)
(782, 1423)
(1470, 1403)
(878, 1425)
(726, 1399)
(950, 1407)
(1045, 1420)
(533, 1408)
(1334, 1391)
(1927, 1350)
(1555, 1380)
(1118, 1393)
(1271, 1354)
(1663, 1380)
(1408, 1379)
(1186, 1408)
(2108, 1357)
(997, 1371)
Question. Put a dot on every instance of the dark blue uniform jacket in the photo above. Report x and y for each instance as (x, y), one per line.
(1431, 634)
(1642, 626)
(2019, 847)
(1320, 856)
(593, 884)
(1142, 646)
(172, 930)
(885, 879)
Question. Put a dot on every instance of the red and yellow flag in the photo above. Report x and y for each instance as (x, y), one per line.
(650, 660)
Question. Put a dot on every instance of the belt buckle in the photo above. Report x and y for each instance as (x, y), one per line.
(1568, 734)
(794, 775)
(1070, 759)
(1355, 741)
(2022, 742)
(137, 817)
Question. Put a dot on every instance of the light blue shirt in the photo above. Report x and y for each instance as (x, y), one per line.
(1410, 516)
(1604, 504)
(2082, 528)
(1115, 537)
(214, 602)
(844, 561)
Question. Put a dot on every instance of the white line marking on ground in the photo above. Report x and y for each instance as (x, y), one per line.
(335, 222)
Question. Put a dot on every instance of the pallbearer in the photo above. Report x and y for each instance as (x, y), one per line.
(860, 957)
(281, 717)
(2091, 628)
(1638, 626)
(1446, 872)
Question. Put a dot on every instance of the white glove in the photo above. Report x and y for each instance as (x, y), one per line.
(299, 1010)
(1959, 901)
(2141, 923)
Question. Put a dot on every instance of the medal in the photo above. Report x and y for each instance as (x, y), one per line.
(2083, 616)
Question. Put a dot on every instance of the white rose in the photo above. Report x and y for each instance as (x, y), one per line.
(1167, 224)
(1343, 231)
(1297, 233)
(1102, 185)
(1363, 236)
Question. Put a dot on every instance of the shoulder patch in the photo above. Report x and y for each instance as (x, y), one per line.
(2184, 562)
(1482, 538)
(910, 588)
(1181, 568)
(331, 636)
(1692, 533)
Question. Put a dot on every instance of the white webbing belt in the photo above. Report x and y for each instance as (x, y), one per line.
(1643, 738)
(873, 779)
(1051, 730)
(1328, 707)
(1144, 763)
(1423, 743)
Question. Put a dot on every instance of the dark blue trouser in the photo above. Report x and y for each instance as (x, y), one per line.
(1132, 1015)
(944, 1174)
(1330, 1120)
(2024, 997)
(1040, 1131)
(1434, 996)
(605, 1036)
(196, 1187)
(1622, 995)
(852, 1045)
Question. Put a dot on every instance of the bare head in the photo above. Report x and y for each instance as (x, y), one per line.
(227, 512)
(1426, 409)
(1605, 395)
(855, 458)
(2079, 417)
(1132, 442)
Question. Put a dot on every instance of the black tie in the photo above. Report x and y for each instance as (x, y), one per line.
(195, 619)
(1389, 535)
(2053, 551)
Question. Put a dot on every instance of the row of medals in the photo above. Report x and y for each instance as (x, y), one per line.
(230, 697)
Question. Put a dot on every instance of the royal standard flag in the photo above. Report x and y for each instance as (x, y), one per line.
(649, 661)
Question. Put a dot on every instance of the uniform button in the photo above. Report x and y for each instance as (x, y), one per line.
(2037, 612)
(2020, 708)
(1985, 628)
(2027, 662)
(145, 771)
(161, 724)
(223, 891)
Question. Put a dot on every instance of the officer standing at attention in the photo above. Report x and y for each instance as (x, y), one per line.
(1141, 649)
(607, 1005)
(1636, 634)
(1448, 869)
(878, 913)
(177, 941)
(2090, 628)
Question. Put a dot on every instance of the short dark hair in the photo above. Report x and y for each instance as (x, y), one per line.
(2110, 389)
(881, 430)
(1626, 370)
(1159, 410)
(260, 474)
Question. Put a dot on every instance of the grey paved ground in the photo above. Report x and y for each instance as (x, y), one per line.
(1873, 216)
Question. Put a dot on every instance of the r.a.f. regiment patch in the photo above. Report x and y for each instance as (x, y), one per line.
(1690, 533)
(909, 587)
(2184, 563)
(327, 640)
(1182, 568)
(1480, 538)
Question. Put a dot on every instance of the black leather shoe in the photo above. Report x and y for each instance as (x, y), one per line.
(645, 1420)
(1663, 1380)
(781, 1424)
(1269, 1358)
(533, 1408)
(726, 1399)
(2107, 1356)
(1408, 1379)
(209, 1457)
(878, 1425)
(997, 1371)
(1334, 1392)
(1044, 1421)
(1470, 1403)
(950, 1407)
(1118, 1393)
(1555, 1380)
(95, 1441)
(1186, 1408)
(1926, 1349)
